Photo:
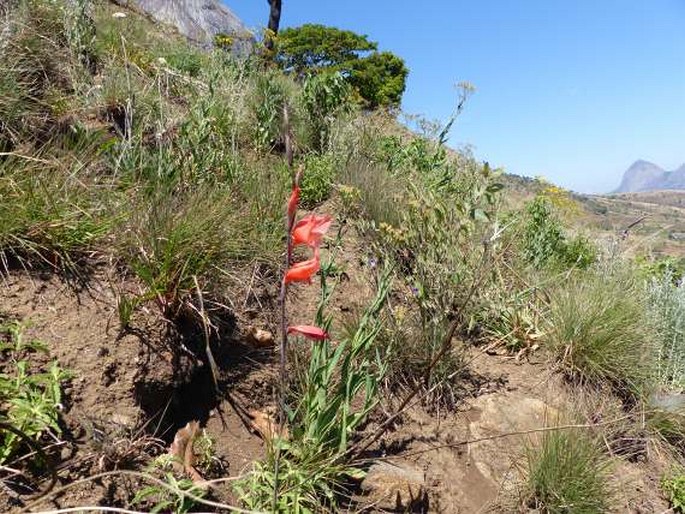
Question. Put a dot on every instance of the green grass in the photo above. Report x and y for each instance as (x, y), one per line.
(598, 333)
(169, 161)
(171, 238)
(568, 472)
(48, 214)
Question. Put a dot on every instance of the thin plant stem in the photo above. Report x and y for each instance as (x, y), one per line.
(143, 476)
(290, 223)
(208, 349)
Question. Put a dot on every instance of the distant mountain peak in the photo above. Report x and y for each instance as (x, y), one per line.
(644, 175)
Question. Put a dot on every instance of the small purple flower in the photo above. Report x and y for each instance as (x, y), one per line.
(373, 262)
(415, 291)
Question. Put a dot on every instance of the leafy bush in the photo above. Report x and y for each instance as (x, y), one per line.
(429, 214)
(661, 267)
(598, 332)
(568, 472)
(271, 95)
(579, 252)
(543, 237)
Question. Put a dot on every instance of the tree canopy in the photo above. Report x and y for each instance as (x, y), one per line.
(378, 77)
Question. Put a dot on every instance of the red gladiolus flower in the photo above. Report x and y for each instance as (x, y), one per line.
(305, 270)
(315, 333)
(293, 201)
(311, 229)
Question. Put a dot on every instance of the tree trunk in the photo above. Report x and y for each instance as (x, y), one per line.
(274, 22)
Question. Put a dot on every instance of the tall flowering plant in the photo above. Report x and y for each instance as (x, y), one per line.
(338, 390)
(308, 231)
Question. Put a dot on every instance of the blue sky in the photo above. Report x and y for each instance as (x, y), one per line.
(573, 90)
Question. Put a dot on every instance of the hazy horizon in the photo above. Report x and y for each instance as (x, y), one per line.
(575, 92)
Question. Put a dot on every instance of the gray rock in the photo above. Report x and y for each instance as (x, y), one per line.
(198, 20)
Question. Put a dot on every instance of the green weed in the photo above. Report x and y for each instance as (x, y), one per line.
(325, 98)
(271, 94)
(30, 400)
(674, 487)
(545, 242)
(173, 498)
(317, 179)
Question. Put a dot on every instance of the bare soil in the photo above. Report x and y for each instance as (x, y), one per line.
(131, 391)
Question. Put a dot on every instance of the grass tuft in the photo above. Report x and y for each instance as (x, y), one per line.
(599, 334)
(568, 472)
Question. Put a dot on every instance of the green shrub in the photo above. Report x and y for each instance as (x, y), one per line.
(431, 222)
(579, 252)
(543, 237)
(659, 268)
(545, 243)
(567, 473)
(598, 332)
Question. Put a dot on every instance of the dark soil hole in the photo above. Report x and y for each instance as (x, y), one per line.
(176, 384)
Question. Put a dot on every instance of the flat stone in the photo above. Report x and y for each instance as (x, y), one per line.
(494, 458)
(396, 487)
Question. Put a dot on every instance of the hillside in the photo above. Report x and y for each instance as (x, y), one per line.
(226, 288)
